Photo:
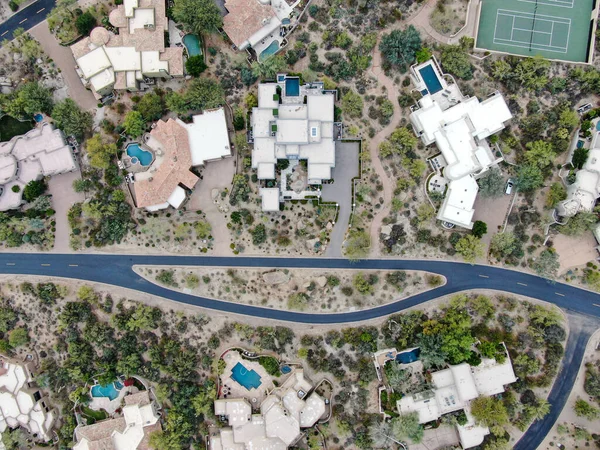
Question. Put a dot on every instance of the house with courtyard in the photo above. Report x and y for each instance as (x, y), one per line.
(22, 403)
(133, 57)
(162, 164)
(293, 123)
(453, 389)
(583, 193)
(259, 418)
(129, 430)
(41, 152)
(260, 25)
(459, 126)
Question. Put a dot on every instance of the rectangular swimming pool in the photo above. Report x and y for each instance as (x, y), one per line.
(292, 87)
(431, 79)
(250, 379)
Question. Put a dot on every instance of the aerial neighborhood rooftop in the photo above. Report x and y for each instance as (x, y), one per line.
(123, 61)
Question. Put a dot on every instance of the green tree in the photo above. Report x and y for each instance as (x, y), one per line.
(151, 107)
(34, 189)
(18, 337)
(489, 412)
(580, 156)
(85, 23)
(455, 60)
(539, 409)
(202, 228)
(585, 409)
(100, 152)
(503, 244)
(540, 154)
(381, 434)
(556, 194)
(134, 124)
(407, 426)
(357, 245)
(195, 65)
(259, 234)
(399, 48)
(491, 185)
(479, 229)
(352, 104)
(14, 439)
(198, 16)
(424, 54)
(29, 99)
(8, 318)
(470, 248)
(580, 223)
(268, 67)
(177, 103)
(204, 93)
(403, 140)
(529, 177)
(547, 263)
(362, 284)
(70, 118)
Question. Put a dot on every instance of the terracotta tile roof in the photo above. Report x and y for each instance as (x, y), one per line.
(173, 170)
(245, 18)
(175, 57)
(141, 398)
(99, 434)
(145, 443)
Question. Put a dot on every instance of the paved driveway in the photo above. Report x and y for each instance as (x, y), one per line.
(63, 58)
(340, 191)
(63, 197)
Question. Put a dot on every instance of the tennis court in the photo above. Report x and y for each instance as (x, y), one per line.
(554, 29)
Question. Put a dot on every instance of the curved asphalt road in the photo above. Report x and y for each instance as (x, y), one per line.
(117, 270)
(26, 18)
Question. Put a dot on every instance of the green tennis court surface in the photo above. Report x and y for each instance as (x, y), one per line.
(554, 29)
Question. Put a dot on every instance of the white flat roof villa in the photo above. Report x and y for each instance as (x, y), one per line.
(21, 403)
(459, 127)
(39, 153)
(453, 390)
(293, 122)
(108, 61)
(176, 148)
(583, 193)
(131, 431)
(284, 412)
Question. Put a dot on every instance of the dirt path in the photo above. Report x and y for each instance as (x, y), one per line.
(388, 186)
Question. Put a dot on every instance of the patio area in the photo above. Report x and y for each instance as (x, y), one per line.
(230, 388)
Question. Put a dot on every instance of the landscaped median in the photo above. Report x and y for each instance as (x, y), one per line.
(296, 289)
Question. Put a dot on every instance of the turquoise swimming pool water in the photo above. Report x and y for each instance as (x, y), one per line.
(598, 126)
(431, 79)
(192, 43)
(292, 87)
(135, 151)
(270, 50)
(250, 379)
(108, 390)
(408, 357)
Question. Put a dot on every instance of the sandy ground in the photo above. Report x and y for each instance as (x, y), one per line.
(256, 286)
(568, 416)
(575, 250)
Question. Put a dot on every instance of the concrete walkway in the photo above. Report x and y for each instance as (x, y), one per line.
(340, 191)
(63, 197)
(63, 58)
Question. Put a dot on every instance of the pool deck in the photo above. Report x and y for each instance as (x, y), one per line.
(233, 389)
(264, 44)
(111, 406)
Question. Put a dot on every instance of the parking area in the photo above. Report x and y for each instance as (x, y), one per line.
(340, 191)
